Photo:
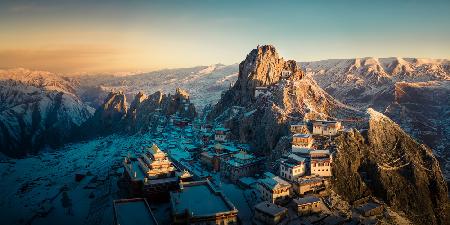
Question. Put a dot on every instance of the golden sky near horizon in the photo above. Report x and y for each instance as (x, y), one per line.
(69, 36)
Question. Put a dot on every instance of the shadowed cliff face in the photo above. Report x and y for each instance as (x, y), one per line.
(106, 118)
(422, 109)
(143, 109)
(114, 115)
(387, 163)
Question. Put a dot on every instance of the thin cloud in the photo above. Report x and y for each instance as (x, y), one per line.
(63, 59)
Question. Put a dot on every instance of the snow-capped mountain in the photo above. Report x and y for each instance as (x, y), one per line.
(369, 82)
(37, 109)
(204, 83)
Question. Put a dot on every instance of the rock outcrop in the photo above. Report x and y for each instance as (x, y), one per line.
(385, 162)
(144, 111)
(107, 117)
(144, 108)
(262, 119)
(261, 68)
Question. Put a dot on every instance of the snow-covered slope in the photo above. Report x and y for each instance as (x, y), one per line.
(369, 82)
(37, 109)
(204, 83)
(412, 92)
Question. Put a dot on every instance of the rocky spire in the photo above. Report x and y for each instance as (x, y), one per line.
(261, 67)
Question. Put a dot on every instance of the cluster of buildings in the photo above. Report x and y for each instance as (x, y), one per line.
(296, 186)
(153, 176)
(303, 173)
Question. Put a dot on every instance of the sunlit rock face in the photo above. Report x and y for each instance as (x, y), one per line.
(385, 162)
(262, 119)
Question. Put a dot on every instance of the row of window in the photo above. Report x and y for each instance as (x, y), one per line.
(320, 164)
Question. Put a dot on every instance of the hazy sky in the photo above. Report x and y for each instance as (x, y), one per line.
(107, 36)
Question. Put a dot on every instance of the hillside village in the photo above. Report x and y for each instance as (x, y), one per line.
(275, 149)
(199, 174)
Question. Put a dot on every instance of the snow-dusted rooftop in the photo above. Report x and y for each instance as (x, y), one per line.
(200, 199)
(302, 135)
(273, 182)
(133, 211)
(306, 200)
(270, 208)
(296, 158)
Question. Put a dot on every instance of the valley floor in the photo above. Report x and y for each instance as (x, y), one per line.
(43, 188)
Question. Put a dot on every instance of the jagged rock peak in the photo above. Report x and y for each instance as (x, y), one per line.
(138, 99)
(264, 67)
(115, 105)
(182, 93)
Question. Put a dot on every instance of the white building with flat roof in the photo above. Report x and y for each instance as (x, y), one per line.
(323, 127)
(300, 128)
(273, 188)
(302, 140)
(321, 161)
(260, 91)
(292, 167)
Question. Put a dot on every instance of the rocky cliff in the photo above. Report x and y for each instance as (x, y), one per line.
(144, 108)
(261, 68)
(114, 115)
(385, 162)
(262, 118)
(107, 118)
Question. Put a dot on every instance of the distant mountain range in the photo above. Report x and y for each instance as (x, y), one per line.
(37, 109)
(370, 82)
(36, 104)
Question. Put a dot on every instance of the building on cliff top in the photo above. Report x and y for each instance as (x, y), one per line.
(321, 161)
(310, 184)
(292, 167)
(261, 91)
(286, 74)
(308, 205)
(300, 128)
(323, 127)
(302, 140)
(200, 203)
